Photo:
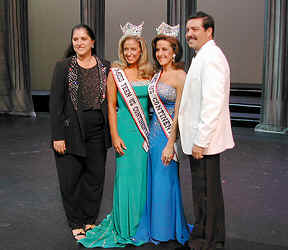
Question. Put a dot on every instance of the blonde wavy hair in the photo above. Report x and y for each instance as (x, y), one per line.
(145, 69)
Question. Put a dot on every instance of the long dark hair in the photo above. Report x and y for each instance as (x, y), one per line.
(70, 50)
(176, 46)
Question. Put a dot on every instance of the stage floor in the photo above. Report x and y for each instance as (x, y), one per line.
(254, 177)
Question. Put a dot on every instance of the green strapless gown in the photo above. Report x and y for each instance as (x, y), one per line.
(129, 197)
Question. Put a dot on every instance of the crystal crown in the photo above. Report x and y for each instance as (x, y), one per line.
(131, 29)
(166, 29)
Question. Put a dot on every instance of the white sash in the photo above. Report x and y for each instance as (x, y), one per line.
(133, 104)
(162, 113)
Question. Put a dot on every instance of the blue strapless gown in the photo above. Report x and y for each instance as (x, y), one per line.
(163, 218)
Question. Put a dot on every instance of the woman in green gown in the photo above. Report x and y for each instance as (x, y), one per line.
(129, 197)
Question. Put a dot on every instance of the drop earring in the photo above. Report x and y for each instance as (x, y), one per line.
(173, 58)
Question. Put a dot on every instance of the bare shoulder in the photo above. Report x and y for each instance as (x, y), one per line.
(110, 75)
(110, 78)
(180, 76)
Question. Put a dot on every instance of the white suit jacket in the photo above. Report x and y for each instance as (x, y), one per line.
(204, 117)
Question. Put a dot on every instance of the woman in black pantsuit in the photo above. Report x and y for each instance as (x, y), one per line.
(80, 133)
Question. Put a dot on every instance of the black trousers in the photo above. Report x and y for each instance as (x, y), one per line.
(81, 179)
(208, 201)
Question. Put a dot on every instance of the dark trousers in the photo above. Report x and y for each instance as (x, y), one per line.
(81, 179)
(208, 201)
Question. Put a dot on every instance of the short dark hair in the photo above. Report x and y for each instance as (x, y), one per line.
(208, 20)
(70, 50)
(176, 46)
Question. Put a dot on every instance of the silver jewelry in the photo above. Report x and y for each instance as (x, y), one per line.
(173, 58)
(131, 29)
(166, 29)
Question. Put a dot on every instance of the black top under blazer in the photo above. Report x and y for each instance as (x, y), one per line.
(65, 120)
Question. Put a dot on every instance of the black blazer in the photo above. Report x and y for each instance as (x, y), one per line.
(65, 120)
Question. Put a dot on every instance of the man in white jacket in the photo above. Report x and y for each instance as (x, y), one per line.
(205, 130)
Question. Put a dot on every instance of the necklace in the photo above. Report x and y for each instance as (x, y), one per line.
(86, 63)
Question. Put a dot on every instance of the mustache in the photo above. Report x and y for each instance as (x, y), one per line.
(191, 37)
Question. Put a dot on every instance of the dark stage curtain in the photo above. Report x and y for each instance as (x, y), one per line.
(178, 13)
(15, 83)
(93, 14)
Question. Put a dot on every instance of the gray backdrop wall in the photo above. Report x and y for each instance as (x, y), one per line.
(50, 24)
(135, 11)
(239, 31)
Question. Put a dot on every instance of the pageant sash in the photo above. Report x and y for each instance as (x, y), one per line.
(162, 113)
(133, 104)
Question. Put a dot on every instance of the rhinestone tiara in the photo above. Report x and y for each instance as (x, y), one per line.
(167, 30)
(131, 29)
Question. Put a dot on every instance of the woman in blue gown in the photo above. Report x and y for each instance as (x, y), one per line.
(164, 219)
